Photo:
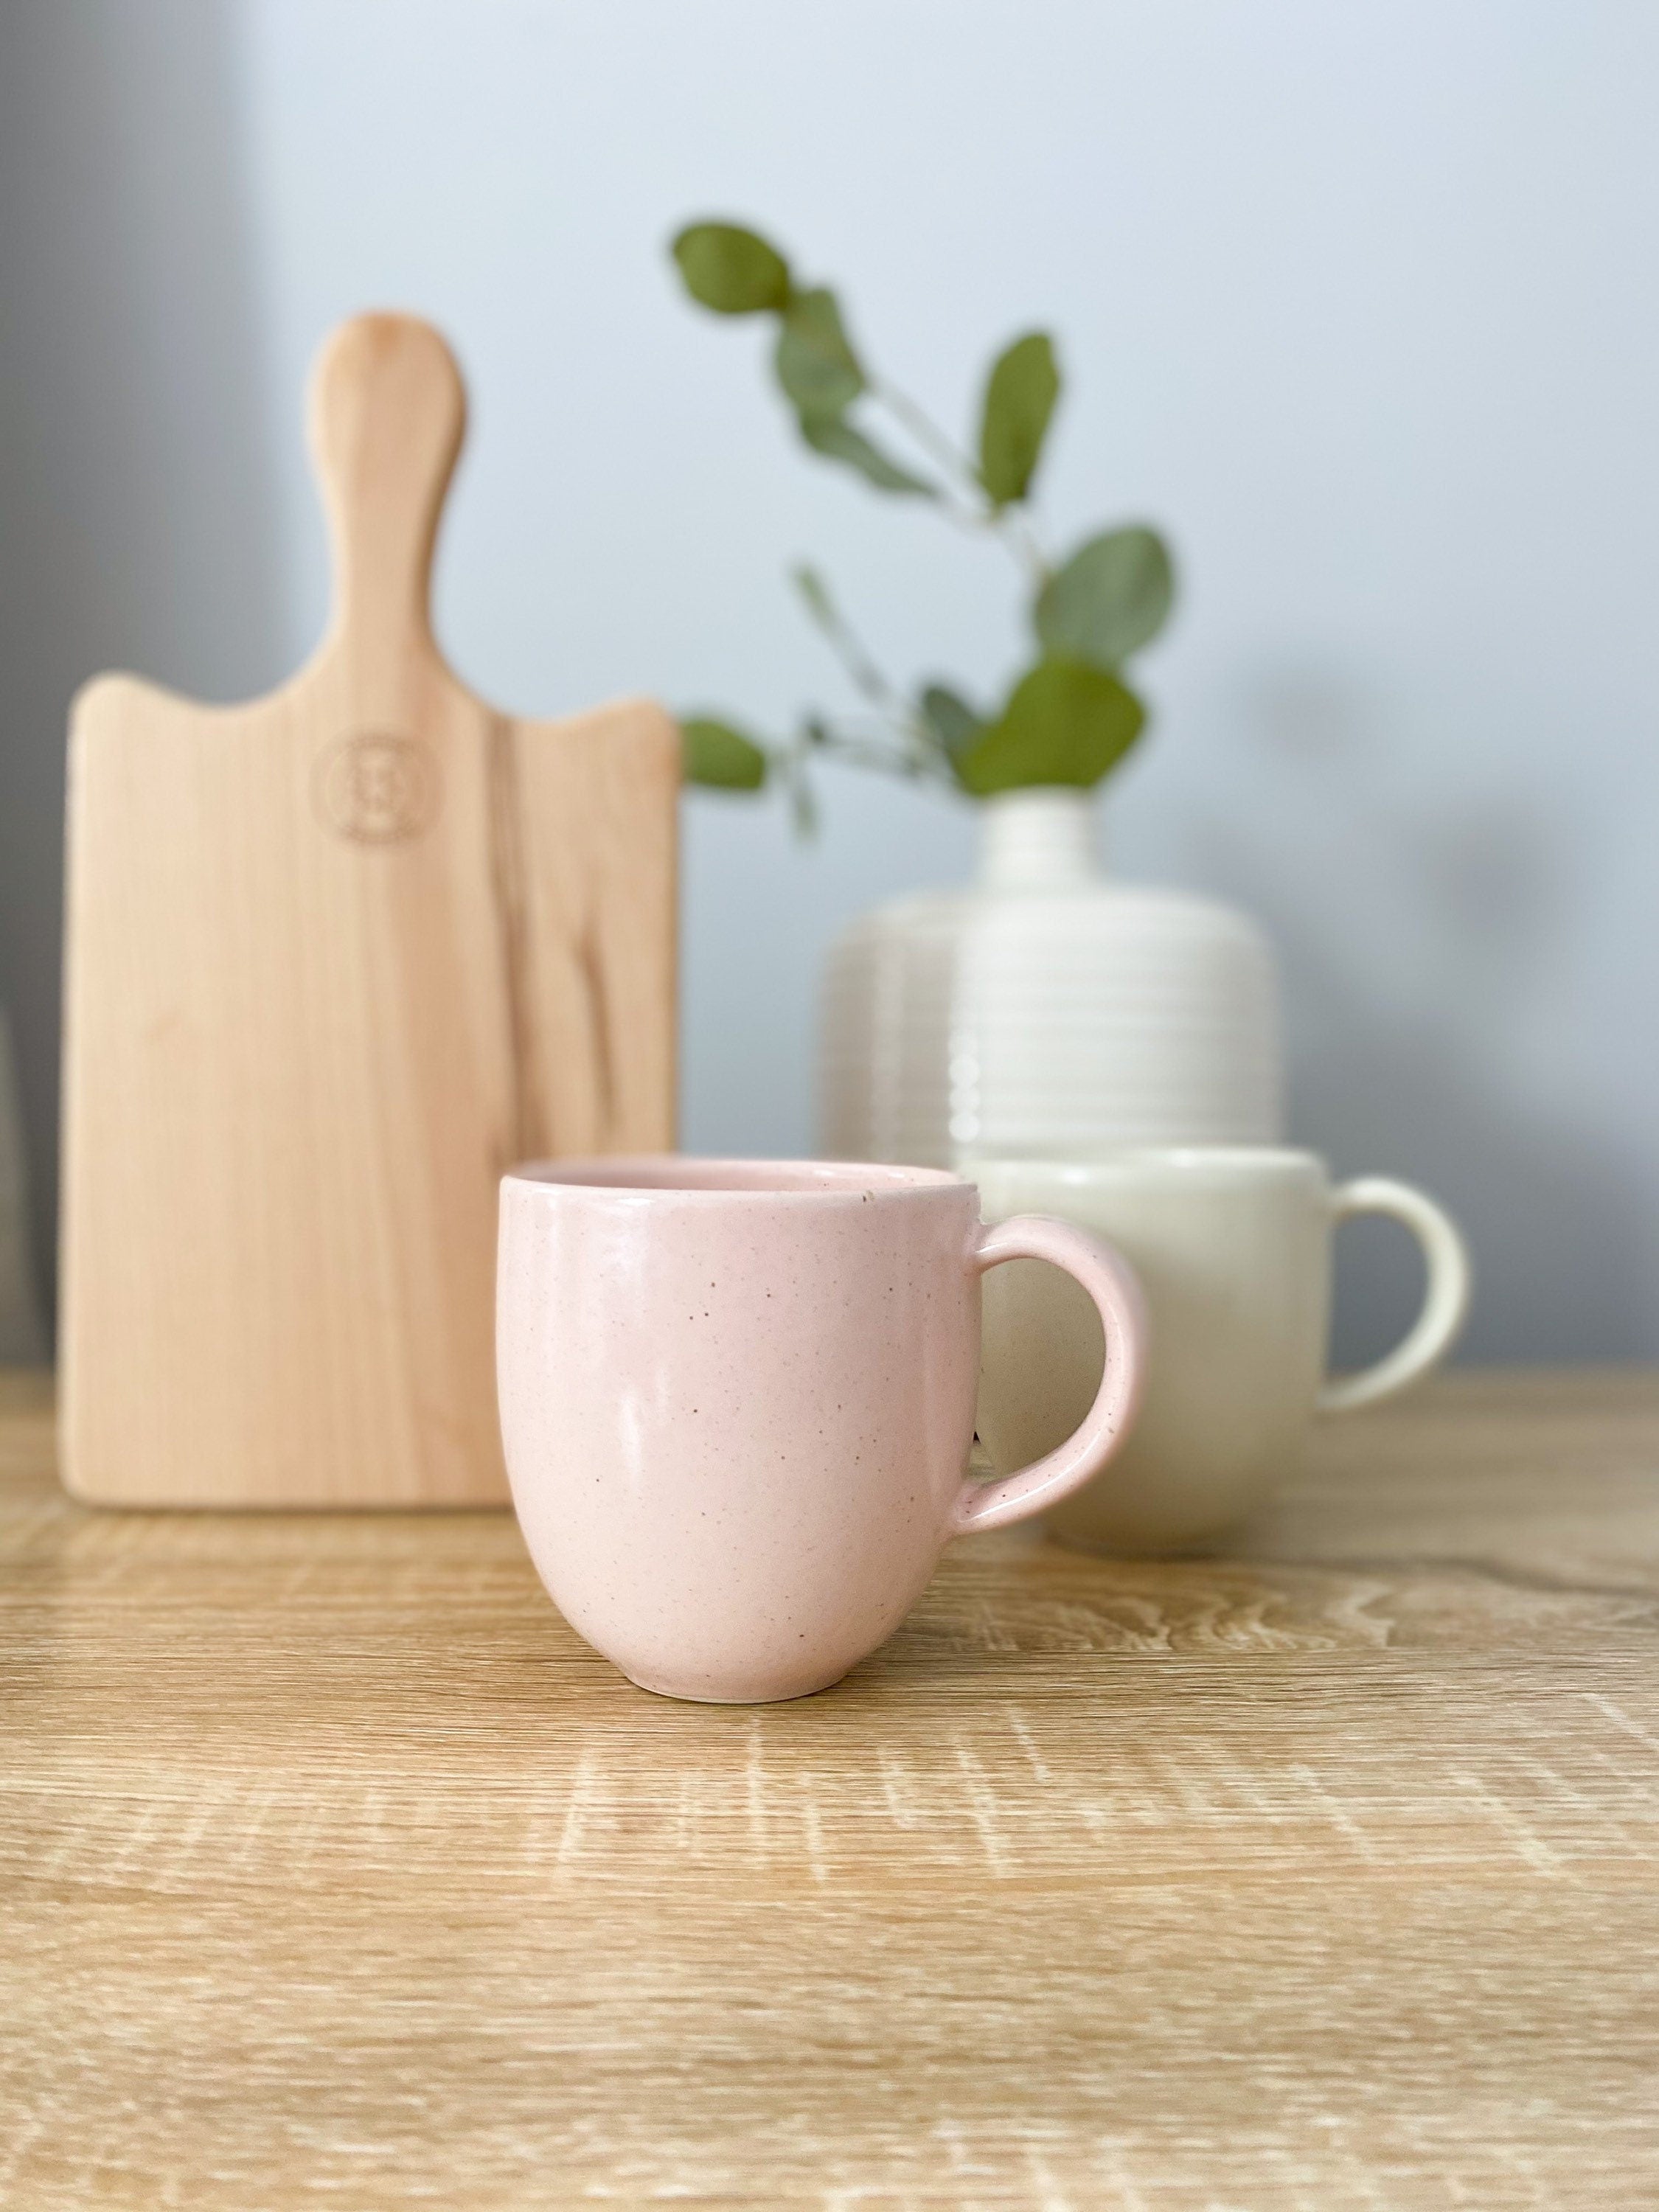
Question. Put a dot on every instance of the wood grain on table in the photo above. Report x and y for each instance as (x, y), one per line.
(337, 1870)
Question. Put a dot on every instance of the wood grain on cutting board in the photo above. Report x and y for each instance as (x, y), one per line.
(336, 959)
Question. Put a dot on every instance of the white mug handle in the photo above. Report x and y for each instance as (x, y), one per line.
(1110, 1282)
(1445, 1298)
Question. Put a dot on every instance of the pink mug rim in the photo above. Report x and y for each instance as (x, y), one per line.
(708, 1179)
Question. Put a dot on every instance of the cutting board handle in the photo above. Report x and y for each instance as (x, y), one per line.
(388, 410)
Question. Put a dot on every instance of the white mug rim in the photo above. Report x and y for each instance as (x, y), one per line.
(1191, 1164)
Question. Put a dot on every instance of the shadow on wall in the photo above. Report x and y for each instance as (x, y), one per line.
(1409, 1079)
(137, 522)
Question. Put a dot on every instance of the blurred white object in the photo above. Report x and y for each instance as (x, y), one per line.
(1047, 1011)
(1232, 1247)
(22, 1342)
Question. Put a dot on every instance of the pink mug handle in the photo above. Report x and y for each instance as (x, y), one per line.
(1110, 1282)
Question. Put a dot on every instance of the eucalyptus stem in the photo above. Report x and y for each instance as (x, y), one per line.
(916, 754)
(1068, 717)
(977, 511)
(1016, 533)
(845, 641)
(927, 434)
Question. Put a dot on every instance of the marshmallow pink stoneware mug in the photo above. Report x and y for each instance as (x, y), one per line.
(737, 1400)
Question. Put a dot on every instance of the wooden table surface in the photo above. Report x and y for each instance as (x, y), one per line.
(337, 1871)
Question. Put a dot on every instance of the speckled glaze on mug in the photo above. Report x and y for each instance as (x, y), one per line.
(738, 1399)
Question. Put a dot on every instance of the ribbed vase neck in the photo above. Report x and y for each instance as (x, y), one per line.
(1043, 840)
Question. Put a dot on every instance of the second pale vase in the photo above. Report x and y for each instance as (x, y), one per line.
(1047, 1011)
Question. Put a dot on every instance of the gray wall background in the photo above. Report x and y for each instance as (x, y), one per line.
(1359, 302)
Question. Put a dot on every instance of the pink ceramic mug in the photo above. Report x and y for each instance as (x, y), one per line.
(738, 1402)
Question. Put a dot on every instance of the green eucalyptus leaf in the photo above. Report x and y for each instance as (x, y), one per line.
(834, 437)
(1064, 722)
(950, 719)
(815, 361)
(1109, 599)
(1019, 400)
(732, 270)
(714, 753)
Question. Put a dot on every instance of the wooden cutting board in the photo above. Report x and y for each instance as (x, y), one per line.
(335, 960)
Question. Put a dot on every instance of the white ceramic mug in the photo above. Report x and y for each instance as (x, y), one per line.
(738, 1402)
(1233, 1245)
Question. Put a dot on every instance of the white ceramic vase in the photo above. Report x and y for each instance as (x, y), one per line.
(1047, 1011)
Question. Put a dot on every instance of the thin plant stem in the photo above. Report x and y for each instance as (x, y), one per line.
(916, 751)
(849, 648)
(976, 510)
(1016, 533)
(927, 434)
